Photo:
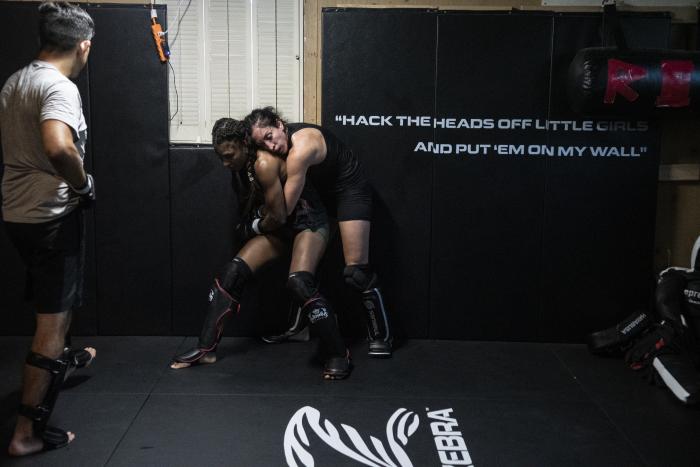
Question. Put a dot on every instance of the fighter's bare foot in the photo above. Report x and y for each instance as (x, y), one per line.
(80, 361)
(23, 446)
(208, 358)
(92, 352)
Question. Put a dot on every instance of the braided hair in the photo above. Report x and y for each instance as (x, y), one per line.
(245, 185)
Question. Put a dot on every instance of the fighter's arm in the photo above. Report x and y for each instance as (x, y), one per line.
(57, 140)
(309, 149)
(268, 171)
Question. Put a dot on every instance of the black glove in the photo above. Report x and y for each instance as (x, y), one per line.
(87, 192)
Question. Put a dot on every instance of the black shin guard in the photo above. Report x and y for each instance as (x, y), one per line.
(323, 321)
(302, 285)
(361, 279)
(377, 323)
(298, 327)
(53, 437)
(223, 297)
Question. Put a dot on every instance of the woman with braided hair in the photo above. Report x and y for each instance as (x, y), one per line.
(260, 178)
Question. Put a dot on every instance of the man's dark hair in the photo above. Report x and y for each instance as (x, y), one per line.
(63, 26)
(229, 129)
(263, 118)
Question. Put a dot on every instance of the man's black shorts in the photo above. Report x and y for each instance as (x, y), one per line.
(52, 254)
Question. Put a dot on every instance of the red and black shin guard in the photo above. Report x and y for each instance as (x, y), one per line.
(224, 296)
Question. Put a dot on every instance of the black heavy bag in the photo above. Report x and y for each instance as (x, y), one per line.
(609, 81)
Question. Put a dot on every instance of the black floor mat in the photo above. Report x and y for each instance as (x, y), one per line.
(434, 402)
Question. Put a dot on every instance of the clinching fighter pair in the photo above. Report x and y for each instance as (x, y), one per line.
(288, 176)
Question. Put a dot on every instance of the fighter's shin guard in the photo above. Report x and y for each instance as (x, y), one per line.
(298, 327)
(680, 376)
(221, 303)
(361, 279)
(323, 321)
(304, 289)
(616, 338)
(377, 323)
(224, 296)
(52, 437)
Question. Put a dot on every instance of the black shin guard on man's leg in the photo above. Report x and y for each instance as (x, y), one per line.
(362, 279)
(52, 437)
(223, 296)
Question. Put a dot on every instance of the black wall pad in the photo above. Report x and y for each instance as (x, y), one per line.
(129, 103)
(599, 212)
(15, 53)
(487, 208)
(204, 212)
(19, 26)
(524, 238)
(381, 63)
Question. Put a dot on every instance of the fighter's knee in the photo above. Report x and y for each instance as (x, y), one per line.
(302, 285)
(234, 275)
(360, 277)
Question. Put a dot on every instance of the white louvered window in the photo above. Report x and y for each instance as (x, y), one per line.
(230, 56)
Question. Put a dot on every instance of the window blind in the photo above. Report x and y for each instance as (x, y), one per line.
(228, 57)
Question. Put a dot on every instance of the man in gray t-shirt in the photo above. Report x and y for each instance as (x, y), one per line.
(32, 189)
(43, 135)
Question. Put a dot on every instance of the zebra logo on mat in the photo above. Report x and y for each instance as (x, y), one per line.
(399, 428)
(451, 448)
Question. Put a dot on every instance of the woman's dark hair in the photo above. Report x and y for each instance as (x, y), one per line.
(244, 182)
(63, 26)
(263, 118)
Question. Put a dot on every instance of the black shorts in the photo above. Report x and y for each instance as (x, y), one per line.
(309, 213)
(52, 252)
(354, 201)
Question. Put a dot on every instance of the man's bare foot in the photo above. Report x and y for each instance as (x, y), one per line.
(93, 352)
(71, 368)
(208, 358)
(23, 446)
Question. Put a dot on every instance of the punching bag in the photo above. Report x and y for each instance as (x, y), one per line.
(609, 81)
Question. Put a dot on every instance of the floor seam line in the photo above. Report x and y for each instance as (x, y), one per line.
(128, 428)
(138, 412)
(600, 408)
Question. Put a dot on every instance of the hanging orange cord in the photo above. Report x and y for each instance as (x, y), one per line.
(159, 38)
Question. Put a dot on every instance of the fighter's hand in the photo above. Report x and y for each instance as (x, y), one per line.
(255, 224)
(250, 226)
(87, 191)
